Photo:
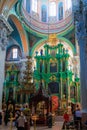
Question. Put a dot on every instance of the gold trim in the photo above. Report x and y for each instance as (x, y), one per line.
(53, 39)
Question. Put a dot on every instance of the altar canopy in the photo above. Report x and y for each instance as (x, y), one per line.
(40, 96)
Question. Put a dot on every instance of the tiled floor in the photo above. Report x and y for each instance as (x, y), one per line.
(57, 126)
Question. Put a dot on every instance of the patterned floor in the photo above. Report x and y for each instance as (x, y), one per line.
(57, 126)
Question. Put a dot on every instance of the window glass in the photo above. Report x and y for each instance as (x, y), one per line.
(44, 13)
(28, 6)
(34, 5)
(52, 9)
(60, 10)
(14, 53)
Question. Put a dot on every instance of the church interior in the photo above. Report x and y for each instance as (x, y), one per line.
(43, 55)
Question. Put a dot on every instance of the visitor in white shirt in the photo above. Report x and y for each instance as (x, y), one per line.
(78, 114)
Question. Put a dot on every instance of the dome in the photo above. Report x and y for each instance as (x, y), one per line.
(44, 15)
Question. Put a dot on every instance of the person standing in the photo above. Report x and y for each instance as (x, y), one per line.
(6, 117)
(78, 115)
(73, 114)
(66, 119)
(21, 122)
(49, 118)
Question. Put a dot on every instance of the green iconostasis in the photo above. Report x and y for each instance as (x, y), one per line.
(52, 68)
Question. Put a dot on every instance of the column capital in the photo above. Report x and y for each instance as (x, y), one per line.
(5, 30)
(3, 39)
(4, 24)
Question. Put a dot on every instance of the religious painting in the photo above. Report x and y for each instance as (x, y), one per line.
(10, 92)
(53, 67)
(12, 76)
(53, 53)
(53, 87)
(45, 67)
(10, 107)
(63, 65)
(18, 98)
(72, 91)
(41, 66)
(24, 98)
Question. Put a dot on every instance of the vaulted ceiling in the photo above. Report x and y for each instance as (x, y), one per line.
(6, 5)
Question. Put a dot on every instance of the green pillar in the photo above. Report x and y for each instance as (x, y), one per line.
(61, 89)
(14, 92)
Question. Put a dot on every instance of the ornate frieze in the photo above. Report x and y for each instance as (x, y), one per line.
(3, 38)
(5, 30)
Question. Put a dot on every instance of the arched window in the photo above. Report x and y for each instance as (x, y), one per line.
(14, 53)
(44, 13)
(52, 9)
(60, 10)
(28, 6)
(34, 5)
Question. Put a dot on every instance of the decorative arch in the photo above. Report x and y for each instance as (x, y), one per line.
(38, 43)
(67, 41)
(6, 5)
(21, 33)
(60, 38)
(60, 10)
(44, 13)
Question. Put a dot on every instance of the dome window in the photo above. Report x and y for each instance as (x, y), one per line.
(60, 11)
(52, 9)
(44, 13)
(34, 5)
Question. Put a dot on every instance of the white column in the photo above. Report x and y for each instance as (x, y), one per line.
(83, 75)
(81, 36)
(2, 71)
(3, 43)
